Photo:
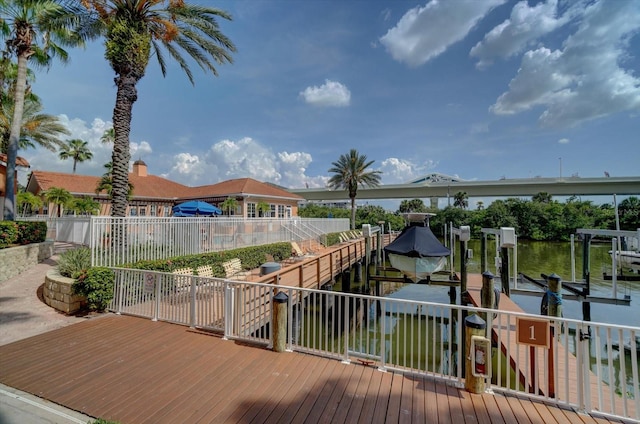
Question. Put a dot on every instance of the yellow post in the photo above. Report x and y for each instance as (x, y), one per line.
(474, 326)
(280, 322)
(487, 293)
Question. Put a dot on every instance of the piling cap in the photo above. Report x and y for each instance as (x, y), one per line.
(488, 274)
(281, 297)
(554, 276)
(474, 321)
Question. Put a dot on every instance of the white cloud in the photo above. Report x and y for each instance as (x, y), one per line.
(584, 80)
(330, 94)
(45, 160)
(522, 29)
(139, 150)
(423, 33)
(244, 158)
(563, 141)
(398, 171)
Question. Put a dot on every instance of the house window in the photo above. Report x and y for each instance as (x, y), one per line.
(272, 211)
(143, 211)
(167, 211)
(251, 210)
(153, 210)
(288, 212)
(133, 211)
(280, 211)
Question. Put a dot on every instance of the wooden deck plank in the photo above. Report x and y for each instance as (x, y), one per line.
(442, 402)
(366, 414)
(430, 400)
(350, 394)
(133, 370)
(455, 404)
(315, 391)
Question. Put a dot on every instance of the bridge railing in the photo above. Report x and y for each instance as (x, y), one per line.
(588, 366)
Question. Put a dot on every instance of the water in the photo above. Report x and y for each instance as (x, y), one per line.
(534, 258)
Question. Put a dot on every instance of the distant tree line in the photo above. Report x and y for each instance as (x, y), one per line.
(540, 218)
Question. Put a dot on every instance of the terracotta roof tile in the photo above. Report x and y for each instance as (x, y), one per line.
(242, 187)
(20, 161)
(152, 186)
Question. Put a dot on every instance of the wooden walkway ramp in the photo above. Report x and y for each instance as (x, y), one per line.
(535, 372)
(134, 370)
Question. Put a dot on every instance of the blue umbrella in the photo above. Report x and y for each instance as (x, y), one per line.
(195, 208)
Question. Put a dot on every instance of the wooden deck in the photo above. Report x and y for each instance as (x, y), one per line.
(134, 370)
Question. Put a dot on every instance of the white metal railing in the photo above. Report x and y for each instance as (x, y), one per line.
(116, 241)
(589, 366)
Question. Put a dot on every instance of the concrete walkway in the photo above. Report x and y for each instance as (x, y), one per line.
(23, 314)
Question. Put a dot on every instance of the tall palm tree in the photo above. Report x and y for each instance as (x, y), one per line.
(34, 30)
(76, 149)
(37, 127)
(136, 29)
(58, 196)
(349, 172)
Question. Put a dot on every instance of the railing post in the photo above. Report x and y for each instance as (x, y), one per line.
(192, 303)
(228, 310)
(158, 283)
(279, 321)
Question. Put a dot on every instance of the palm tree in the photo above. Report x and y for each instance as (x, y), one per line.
(37, 127)
(135, 30)
(26, 198)
(541, 197)
(263, 208)
(58, 196)
(108, 136)
(229, 204)
(105, 184)
(460, 200)
(34, 30)
(350, 171)
(77, 150)
(86, 206)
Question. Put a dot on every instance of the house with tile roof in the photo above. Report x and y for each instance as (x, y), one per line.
(155, 196)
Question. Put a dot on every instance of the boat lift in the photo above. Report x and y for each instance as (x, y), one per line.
(580, 290)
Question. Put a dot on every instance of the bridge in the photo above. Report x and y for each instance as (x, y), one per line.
(569, 186)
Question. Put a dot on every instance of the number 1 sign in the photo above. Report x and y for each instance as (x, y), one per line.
(532, 332)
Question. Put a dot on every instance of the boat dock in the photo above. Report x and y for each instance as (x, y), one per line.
(547, 372)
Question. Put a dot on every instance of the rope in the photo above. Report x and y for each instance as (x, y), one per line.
(555, 299)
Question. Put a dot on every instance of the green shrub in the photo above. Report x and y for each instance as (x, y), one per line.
(8, 233)
(103, 421)
(97, 285)
(74, 262)
(251, 257)
(31, 232)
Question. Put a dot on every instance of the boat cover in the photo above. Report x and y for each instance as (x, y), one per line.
(417, 242)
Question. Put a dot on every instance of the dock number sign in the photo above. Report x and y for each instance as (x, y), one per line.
(532, 332)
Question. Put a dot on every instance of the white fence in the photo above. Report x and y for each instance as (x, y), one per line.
(588, 366)
(117, 241)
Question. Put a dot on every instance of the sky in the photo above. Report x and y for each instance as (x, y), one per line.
(477, 89)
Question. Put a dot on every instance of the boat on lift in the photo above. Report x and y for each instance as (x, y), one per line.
(627, 259)
(417, 252)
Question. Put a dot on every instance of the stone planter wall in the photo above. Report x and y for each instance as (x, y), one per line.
(15, 260)
(58, 293)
